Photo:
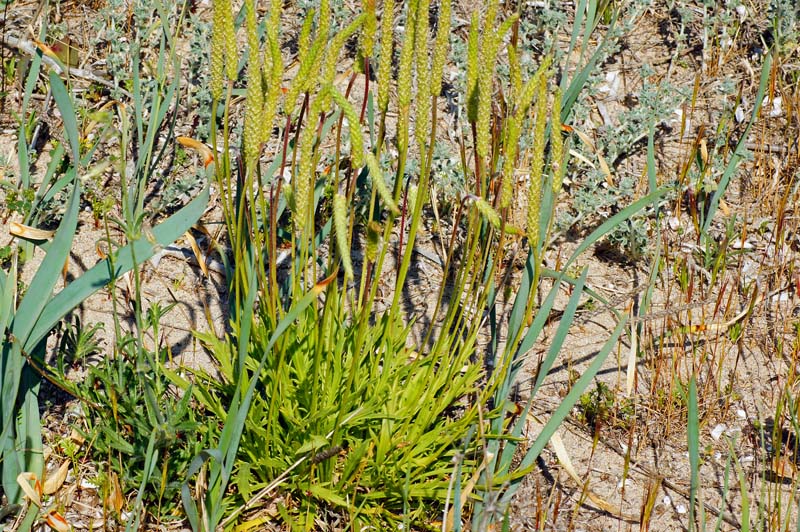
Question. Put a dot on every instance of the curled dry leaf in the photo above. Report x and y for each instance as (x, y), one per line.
(30, 485)
(57, 522)
(56, 480)
(29, 233)
(76, 437)
(114, 498)
(202, 149)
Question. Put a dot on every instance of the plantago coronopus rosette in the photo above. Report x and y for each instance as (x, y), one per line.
(204, 151)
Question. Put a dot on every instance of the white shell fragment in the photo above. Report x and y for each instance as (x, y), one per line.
(717, 431)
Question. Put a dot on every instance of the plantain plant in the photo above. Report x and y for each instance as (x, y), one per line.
(324, 396)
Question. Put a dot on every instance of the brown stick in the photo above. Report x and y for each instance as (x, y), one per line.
(30, 49)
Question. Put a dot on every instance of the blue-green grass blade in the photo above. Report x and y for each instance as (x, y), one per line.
(580, 11)
(515, 319)
(652, 183)
(740, 152)
(11, 467)
(693, 437)
(48, 273)
(591, 18)
(22, 137)
(560, 336)
(560, 414)
(101, 274)
(607, 226)
(23, 159)
(246, 322)
(32, 79)
(29, 425)
(31, 306)
(56, 158)
(579, 81)
(64, 103)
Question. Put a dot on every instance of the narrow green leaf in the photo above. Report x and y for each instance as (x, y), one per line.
(68, 117)
(100, 275)
(561, 412)
(693, 436)
(225, 453)
(740, 151)
(615, 220)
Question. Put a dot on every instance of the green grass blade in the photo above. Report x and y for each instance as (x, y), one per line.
(100, 275)
(552, 353)
(693, 436)
(29, 309)
(562, 412)
(741, 150)
(607, 226)
(64, 103)
(580, 79)
(47, 275)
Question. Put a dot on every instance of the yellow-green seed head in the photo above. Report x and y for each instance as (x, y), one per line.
(380, 185)
(304, 39)
(324, 19)
(490, 45)
(254, 106)
(302, 81)
(336, 45)
(423, 103)
(537, 163)
(487, 211)
(374, 231)
(539, 128)
(342, 236)
(274, 22)
(367, 40)
(385, 64)
(217, 51)
(472, 69)
(305, 177)
(254, 100)
(356, 138)
(274, 89)
(321, 40)
(229, 31)
(440, 47)
(530, 88)
(404, 74)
